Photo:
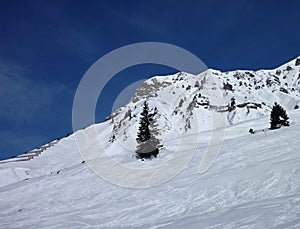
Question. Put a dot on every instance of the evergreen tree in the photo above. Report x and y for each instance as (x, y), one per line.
(148, 144)
(279, 117)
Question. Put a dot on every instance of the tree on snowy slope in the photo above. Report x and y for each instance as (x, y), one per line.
(279, 117)
(148, 144)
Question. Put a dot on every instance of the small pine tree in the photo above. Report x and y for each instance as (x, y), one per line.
(231, 106)
(278, 117)
(148, 144)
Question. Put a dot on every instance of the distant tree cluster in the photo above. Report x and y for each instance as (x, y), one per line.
(279, 117)
(148, 144)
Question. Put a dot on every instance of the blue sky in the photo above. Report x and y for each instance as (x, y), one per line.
(47, 46)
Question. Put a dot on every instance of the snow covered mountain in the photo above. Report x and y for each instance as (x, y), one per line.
(254, 182)
(246, 95)
(184, 98)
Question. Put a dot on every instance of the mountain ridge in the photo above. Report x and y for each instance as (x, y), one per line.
(185, 82)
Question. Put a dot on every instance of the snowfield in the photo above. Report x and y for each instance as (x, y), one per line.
(253, 183)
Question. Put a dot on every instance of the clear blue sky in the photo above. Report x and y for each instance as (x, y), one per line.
(47, 46)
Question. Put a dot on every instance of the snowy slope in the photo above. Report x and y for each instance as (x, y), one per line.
(254, 183)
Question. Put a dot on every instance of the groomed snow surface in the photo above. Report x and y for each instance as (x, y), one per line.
(254, 183)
